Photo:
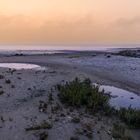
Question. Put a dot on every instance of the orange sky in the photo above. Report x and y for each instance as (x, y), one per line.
(69, 21)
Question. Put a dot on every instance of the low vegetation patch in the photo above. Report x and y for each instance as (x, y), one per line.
(74, 138)
(83, 93)
(1, 92)
(118, 132)
(42, 106)
(43, 136)
(42, 125)
(50, 97)
(75, 56)
(1, 77)
(130, 53)
(130, 116)
(76, 120)
(86, 130)
(8, 81)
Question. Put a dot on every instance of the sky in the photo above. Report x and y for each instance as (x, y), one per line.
(69, 21)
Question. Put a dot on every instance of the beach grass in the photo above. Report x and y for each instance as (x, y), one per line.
(82, 93)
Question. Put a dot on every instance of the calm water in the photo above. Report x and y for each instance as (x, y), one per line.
(122, 98)
(19, 66)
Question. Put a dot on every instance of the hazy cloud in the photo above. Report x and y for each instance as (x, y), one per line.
(129, 21)
(25, 29)
(87, 29)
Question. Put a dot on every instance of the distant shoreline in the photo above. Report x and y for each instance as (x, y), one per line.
(118, 51)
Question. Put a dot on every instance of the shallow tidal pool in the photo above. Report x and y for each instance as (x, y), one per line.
(121, 98)
(19, 66)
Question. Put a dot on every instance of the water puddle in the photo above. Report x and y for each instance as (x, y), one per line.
(122, 98)
(19, 66)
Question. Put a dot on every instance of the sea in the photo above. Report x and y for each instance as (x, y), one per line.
(8, 50)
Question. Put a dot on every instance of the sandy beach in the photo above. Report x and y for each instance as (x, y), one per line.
(19, 102)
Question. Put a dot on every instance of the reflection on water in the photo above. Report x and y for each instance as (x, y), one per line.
(19, 66)
(122, 98)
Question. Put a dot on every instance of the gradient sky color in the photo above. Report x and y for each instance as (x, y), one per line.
(69, 21)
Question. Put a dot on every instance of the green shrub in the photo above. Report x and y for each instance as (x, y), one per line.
(83, 93)
(130, 116)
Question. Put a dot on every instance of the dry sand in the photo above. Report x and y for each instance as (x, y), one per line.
(20, 101)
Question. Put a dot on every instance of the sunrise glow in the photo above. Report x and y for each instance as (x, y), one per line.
(69, 21)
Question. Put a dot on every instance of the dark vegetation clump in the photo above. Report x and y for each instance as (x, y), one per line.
(43, 136)
(74, 138)
(76, 120)
(130, 53)
(86, 129)
(8, 81)
(12, 86)
(79, 93)
(2, 119)
(1, 92)
(50, 97)
(1, 77)
(118, 132)
(55, 108)
(108, 56)
(42, 125)
(42, 106)
(130, 116)
(18, 54)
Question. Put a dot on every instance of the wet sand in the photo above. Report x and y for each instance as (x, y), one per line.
(20, 99)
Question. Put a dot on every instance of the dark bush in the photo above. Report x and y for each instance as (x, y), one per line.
(83, 93)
